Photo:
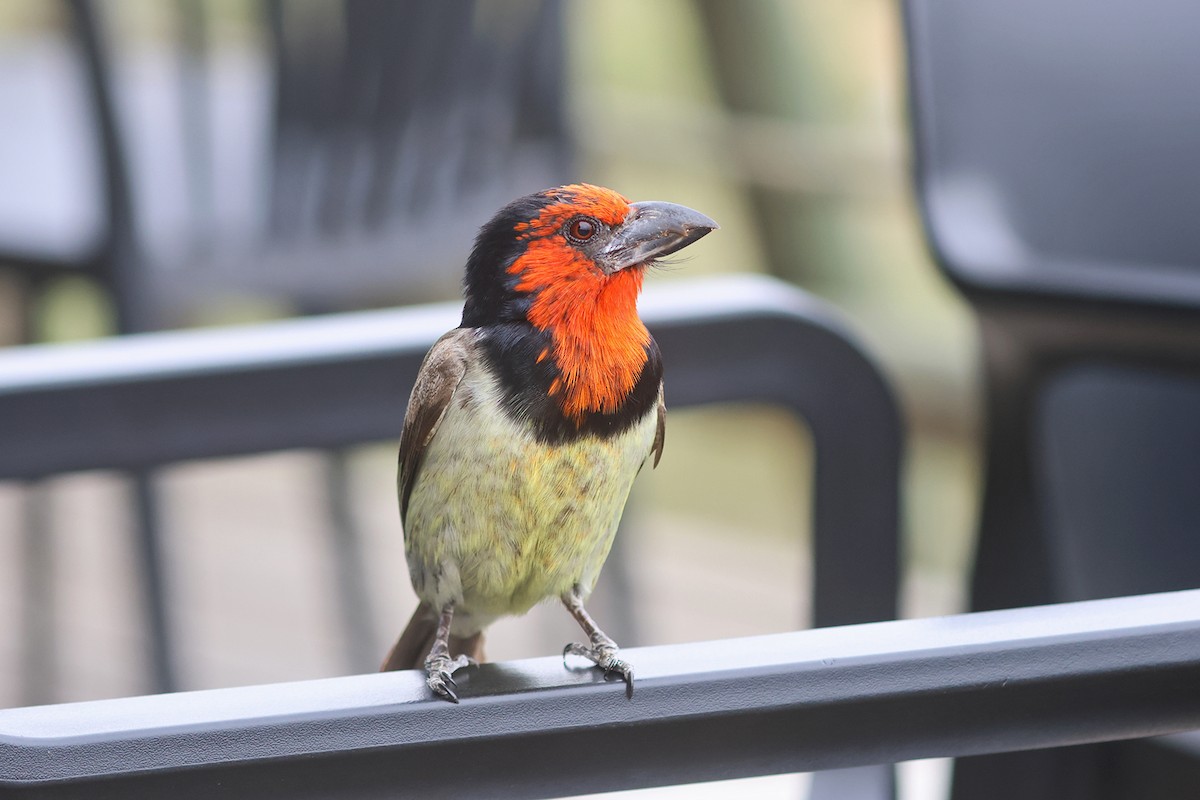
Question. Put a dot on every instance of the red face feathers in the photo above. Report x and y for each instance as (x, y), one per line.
(569, 262)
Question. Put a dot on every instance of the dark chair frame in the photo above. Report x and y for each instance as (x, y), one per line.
(1055, 308)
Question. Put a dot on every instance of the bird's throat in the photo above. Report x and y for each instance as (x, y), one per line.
(598, 342)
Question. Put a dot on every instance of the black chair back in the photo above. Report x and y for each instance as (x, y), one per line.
(1057, 149)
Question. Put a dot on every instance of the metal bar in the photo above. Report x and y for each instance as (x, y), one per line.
(154, 590)
(828, 698)
(117, 258)
(69, 398)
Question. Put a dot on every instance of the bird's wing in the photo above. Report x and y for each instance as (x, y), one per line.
(440, 373)
(660, 433)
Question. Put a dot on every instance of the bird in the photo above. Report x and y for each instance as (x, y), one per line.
(528, 423)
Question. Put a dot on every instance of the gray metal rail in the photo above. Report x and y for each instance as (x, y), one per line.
(819, 699)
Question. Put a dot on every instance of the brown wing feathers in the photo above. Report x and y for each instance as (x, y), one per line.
(440, 374)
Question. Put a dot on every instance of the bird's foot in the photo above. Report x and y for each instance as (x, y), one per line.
(439, 671)
(603, 653)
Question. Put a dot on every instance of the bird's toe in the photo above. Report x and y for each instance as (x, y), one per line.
(439, 671)
(603, 654)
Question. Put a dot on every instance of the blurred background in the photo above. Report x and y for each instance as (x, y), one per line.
(179, 164)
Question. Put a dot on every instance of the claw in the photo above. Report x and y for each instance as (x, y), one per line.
(626, 671)
(439, 671)
(603, 653)
(437, 683)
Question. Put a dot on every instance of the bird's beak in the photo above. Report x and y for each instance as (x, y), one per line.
(652, 230)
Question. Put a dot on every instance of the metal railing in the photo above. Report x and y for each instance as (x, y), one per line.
(820, 699)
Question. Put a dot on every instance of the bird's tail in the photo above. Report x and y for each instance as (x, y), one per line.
(414, 644)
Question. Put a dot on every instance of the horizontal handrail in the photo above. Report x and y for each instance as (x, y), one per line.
(386, 344)
(329, 337)
(818, 699)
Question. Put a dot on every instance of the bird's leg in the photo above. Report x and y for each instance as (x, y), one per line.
(439, 666)
(603, 650)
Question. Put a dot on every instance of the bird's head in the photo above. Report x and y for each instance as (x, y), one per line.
(569, 262)
(569, 245)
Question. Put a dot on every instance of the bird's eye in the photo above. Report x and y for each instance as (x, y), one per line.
(582, 228)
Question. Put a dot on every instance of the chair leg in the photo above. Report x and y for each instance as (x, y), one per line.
(147, 529)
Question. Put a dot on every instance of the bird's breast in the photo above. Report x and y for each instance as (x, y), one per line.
(500, 519)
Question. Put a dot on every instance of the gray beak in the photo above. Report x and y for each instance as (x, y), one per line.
(653, 229)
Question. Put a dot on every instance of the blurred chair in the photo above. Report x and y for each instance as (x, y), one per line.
(1058, 168)
(335, 166)
(341, 163)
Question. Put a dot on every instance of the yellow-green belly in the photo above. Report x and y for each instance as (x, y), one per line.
(498, 521)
